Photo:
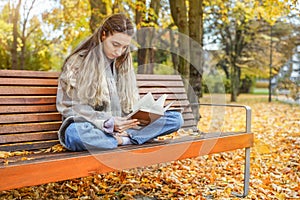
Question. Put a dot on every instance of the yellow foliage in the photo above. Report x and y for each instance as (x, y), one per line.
(269, 10)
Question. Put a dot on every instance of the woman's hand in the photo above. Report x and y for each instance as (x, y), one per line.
(122, 124)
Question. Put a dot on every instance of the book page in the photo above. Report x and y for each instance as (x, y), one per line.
(158, 105)
(161, 100)
(145, 102)
(167, 107)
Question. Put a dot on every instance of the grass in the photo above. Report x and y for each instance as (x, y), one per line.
(260, 91)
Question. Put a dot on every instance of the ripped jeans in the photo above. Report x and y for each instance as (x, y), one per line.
(81, 136)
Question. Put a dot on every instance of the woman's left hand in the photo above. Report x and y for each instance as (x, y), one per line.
(122, 124)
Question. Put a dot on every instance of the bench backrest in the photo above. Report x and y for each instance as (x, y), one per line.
(28, 116)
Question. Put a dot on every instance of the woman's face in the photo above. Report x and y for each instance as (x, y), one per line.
(116, 44)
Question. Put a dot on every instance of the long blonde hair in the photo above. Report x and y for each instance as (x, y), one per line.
(84, 68)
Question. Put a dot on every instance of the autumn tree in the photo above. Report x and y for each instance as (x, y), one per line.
(236, 25)
(284, 39)
(68, 27)
(22, 42)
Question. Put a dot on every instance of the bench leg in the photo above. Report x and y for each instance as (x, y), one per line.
(246, 174)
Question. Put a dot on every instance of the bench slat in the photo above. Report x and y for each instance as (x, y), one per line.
(17, 100)
(51, 135)
(28, 90)
(179, 103)
(29, 127)
(41, 117)
(189, 124)
(162, 90)
(155, 77)
(27, 73)
(28, 82)
(166, 83)
(27, 109)
(188, 116)
(29, 145)
(171, 97)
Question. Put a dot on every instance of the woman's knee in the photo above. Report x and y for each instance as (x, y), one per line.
(175, 119)
(83, 135)
(179, 120)
(72, 138)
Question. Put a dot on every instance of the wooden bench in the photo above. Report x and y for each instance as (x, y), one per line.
(29, 122)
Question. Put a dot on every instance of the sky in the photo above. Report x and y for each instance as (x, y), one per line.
(39, 7)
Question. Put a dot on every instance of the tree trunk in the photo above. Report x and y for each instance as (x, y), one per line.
(22, 56)
(24, 37)
(174, 51)
(235, 82)
(196, 53)
(179, 14)
(15, 21)
(141, 38)
(145, 35)
(99, 11)
(236, 51)
(146, 51)
(155, 6)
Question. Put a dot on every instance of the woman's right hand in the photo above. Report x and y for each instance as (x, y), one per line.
(121, 124)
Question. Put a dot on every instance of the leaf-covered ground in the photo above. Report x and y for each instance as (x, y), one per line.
(275, 166)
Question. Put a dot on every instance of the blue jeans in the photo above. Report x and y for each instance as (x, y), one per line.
(81, 136)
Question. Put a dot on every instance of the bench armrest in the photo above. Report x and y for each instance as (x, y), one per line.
(247, 109)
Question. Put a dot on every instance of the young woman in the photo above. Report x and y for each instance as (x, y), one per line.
(97, 88)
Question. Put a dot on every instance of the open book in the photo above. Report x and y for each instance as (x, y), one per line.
(147, 110)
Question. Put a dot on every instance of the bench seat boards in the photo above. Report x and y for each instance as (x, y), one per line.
(28, 116)
(70, 165)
